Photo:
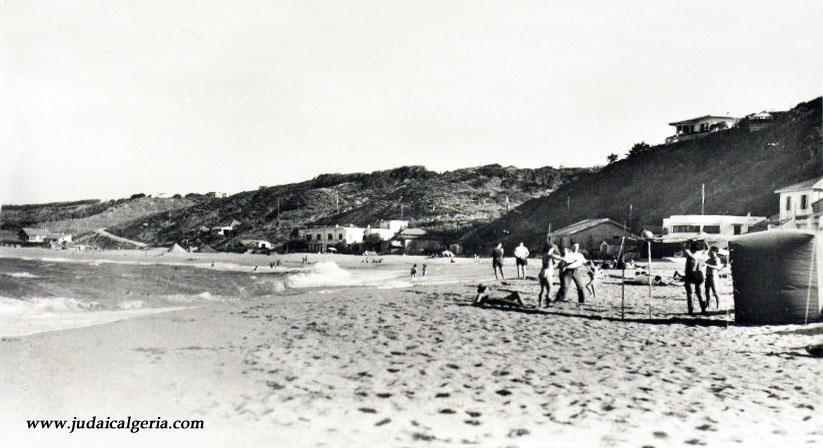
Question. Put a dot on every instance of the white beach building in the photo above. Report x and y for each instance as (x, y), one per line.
(320, 238)
(715, 229)
(797, 201)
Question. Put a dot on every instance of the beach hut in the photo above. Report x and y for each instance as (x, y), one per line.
(776, 276)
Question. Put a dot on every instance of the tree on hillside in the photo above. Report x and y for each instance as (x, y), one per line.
(612, 158)
(638, 148)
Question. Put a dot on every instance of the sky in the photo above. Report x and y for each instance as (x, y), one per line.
(106, 98)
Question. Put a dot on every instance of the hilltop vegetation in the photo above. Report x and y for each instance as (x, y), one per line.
(444, 203)
(740, 169)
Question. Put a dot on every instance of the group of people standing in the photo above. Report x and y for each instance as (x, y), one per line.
(571, 264)
(694, 278)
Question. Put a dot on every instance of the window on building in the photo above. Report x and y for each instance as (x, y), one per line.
(340, 237)
(711, 229)
(804, 202)
(685, 229)
(738, 229)
(318, 237)
(308, 237)
(331, 237)
(788, 203)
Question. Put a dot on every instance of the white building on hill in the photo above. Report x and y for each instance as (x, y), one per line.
(699, 127)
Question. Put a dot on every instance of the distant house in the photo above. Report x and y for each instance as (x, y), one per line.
(43, 236)
(320, 238)
(714, 229)
(415, 241)
(699, 127)
(797, 204)
(227, 228)
(758, 121)
(597, 237)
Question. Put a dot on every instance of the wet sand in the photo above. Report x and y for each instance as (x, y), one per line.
(419, 366)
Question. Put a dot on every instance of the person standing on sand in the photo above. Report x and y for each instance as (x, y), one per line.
(546, 272)
(693, 277)
(497, 260)
(712, 265)
(573, 271)
(424, 270)
(414, 271)
(521, 257)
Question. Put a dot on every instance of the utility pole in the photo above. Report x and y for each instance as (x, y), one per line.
(337, 200)
(507, 203)
(631, 207)
(703, 199)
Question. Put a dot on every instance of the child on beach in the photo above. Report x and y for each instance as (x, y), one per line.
(424, 270)
(414, 271)
(546, 272)
(591, 271)
(712, 265)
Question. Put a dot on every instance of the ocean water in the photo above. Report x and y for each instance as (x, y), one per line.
(38, 295)
(45, 295)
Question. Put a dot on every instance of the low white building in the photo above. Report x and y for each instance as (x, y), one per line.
(796, 204)
(320, 238)
(712, 228)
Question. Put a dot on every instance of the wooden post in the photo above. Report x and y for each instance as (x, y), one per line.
(622, 280)
(649, 245)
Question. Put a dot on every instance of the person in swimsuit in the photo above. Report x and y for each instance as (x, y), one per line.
(712, 265)
(693, 277)
(546, 272)
(497, 260)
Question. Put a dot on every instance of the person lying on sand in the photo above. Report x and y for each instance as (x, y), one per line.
(482, 297)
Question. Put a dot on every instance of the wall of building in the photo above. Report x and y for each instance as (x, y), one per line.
(796, 200)
(726, 224)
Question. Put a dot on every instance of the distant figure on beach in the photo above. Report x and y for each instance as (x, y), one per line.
(476, 258)
(573, 271)
(546, 272)
(712, 265)
(497, 260)
(305, 260)
(521, 258)
(693, 277)
(423, 272)
(414, 270)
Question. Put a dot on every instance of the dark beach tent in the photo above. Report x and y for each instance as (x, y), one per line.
(206, 249)
(776, 276)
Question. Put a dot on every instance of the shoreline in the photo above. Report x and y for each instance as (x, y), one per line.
(419, 366)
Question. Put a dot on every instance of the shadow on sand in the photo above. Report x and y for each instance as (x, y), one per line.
(684, 319)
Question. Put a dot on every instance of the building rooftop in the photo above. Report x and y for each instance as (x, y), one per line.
(585, 225)
(814, 184)
(704, 117)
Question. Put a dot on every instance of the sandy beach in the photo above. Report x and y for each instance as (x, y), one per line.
(354, 354)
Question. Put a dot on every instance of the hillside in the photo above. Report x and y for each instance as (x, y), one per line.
(740, 169)
(445, 203)
(85, 216)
